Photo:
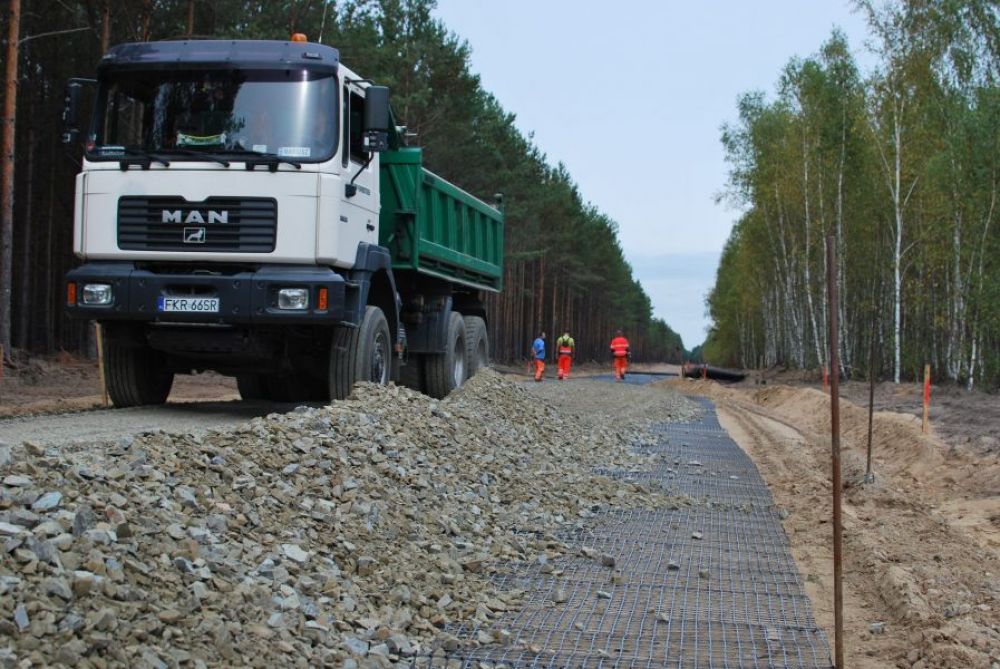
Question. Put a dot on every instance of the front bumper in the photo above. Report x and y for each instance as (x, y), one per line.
(245, 296)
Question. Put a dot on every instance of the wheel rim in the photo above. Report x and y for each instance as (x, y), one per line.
(379, 372)
(459, 369)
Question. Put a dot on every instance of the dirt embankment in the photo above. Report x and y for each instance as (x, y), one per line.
(922, 544)
(958, 416)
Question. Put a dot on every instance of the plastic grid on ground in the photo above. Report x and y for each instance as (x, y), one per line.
(709, 583)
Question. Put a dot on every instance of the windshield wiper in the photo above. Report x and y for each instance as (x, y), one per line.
(208, 155)
(142, 158)
(271, 160)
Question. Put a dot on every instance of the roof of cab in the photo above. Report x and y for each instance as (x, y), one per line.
(252, 54)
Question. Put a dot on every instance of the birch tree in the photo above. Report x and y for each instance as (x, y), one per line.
(891, 102)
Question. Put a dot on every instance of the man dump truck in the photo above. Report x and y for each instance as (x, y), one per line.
(249, 207)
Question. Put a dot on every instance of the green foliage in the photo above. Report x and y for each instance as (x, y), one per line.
(910, 154)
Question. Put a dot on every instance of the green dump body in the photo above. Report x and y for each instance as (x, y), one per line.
(436, 229)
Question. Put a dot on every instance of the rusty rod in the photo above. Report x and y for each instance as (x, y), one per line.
(838, 591)
(869, 475)
(927, 396)
(100, 363)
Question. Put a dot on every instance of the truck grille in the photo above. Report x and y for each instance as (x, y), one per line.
(243, 225)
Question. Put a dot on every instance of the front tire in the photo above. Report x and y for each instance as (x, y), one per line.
(360, 354)
(477, 345)
(447, 371)
(134, 374)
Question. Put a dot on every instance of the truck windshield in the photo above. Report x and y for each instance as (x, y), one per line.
(183, 113)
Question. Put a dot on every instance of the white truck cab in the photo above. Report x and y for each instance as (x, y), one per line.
(228, 218)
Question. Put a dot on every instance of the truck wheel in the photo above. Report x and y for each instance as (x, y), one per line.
(134, 374)
(252, 386)
(477, 345)
(411, 374)
(360, 354)
(446, 371)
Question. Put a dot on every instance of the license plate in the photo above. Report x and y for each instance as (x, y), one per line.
(198, 305)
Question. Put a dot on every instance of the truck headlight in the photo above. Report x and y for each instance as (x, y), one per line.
(293, 299)
(97, 294)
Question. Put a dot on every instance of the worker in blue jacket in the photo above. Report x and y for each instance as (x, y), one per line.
(538, 353)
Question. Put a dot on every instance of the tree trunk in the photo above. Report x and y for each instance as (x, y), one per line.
(540, 295)
(556, 323)
(25, 308)
(808, 280)
(106, 27)
(897, 254)
(848, 357)
(976, 356)
(953, 355)
(52, 297)
(7, 190)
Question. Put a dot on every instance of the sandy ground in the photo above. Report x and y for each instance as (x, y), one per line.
(921, 544)
(65, 383)
(62, 383)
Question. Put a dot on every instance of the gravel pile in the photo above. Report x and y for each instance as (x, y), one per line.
(348, 535)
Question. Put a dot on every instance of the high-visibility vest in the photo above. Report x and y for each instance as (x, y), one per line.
(620, 347)
(565, 345)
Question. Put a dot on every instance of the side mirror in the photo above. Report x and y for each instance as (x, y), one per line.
(376, 118)
(71, 112)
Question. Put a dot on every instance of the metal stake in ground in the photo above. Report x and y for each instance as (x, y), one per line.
(838, 590)
(100, 363)
(927, 396)
(869, 475)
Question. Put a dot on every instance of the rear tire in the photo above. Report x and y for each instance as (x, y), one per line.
(477, 345)
(447, 371)
(134, 374)
(360, 354)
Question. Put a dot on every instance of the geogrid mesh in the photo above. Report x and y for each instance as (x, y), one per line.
(732, 598)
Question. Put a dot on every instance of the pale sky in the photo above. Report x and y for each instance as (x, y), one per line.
(631, 95)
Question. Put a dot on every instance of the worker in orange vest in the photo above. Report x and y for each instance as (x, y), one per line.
(619, 349)
(566, 349)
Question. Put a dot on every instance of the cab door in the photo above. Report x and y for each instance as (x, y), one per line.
(361, 208)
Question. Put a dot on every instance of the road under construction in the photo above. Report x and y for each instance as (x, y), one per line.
(712, 584)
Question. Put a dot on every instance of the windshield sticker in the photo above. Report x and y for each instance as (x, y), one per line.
(259, 148)
(110, 149)
(294, 151)
(201, 140)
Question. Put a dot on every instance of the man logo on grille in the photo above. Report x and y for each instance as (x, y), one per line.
(194, 216)
(194, 235)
